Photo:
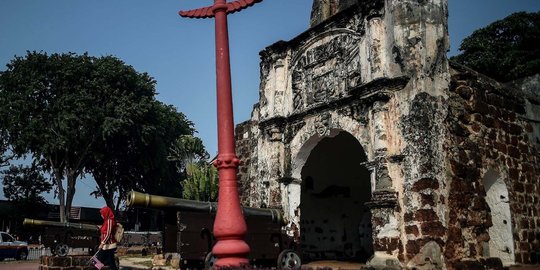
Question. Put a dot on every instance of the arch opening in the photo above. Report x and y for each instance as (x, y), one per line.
(334, 222)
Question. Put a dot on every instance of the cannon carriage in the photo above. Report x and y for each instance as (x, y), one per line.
(191, 235)
(60, 236)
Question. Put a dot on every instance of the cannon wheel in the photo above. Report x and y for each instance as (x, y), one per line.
(288, 260)
(22, 255)
(209, 261)
(61, 250)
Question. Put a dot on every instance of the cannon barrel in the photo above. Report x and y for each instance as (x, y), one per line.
(80, 226)
(138, 199)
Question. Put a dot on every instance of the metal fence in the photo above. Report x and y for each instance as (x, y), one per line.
(35, 252)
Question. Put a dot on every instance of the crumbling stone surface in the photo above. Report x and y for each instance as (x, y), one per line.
(451, 158)
(246, 145)
(488, 127)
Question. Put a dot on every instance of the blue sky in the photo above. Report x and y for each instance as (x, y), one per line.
(179, 52)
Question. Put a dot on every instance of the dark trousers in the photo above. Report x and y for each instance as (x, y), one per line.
(106, 256)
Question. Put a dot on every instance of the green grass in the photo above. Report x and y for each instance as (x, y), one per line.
(145, 263)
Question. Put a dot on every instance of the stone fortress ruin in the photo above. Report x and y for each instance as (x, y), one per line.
(381, 151)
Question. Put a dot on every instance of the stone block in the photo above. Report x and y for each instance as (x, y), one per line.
(524, 222)
(519, 187)
(469, 265)
(475, 127)
(464, 118)
(501, 147)
(464, 91)
(514, 152)
(524, 149)
(408, 217)
(483, 237)
(425, 183)
(412, 247)
(425, 215)
(493, 263)
(526, 257)
(386, 244)
(530, 188)
(80, 260)
(59, 261)
(476, 218)
(525, 246)
(480, 107)
(433, 228)
(427, 199)
(489, 122)
(44, 260)
(459, 169)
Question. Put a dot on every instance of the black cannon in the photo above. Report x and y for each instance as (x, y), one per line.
(194, 238)
(60, 236)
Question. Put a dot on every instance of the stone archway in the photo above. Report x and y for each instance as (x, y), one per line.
(501, 243)
(334, 222)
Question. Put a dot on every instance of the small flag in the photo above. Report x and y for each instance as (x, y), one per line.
(97, 263)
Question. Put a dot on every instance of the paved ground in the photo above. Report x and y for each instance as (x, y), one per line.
(334, 265)
(19, 265)
(135, 263)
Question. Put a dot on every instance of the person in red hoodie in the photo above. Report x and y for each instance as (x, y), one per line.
(107, 247)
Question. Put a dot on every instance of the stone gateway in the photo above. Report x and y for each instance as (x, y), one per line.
(379, 150)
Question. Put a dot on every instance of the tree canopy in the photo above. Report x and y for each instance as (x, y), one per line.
(136, 157)
(5, 154)
(506, 49)
(78, 114)
(24, 184)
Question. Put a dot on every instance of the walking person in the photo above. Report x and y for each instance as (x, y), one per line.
(107, 247)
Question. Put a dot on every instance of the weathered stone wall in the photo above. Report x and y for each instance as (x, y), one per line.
(66, 263)
(246, 135)
(324, 9)
(490, 130)
(424, 191)
(357, 72)
(453, 161)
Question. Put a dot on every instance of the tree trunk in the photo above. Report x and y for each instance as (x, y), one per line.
(108, 199)
(61, 199)
(118, 200)
(71, 181)
(107, 196)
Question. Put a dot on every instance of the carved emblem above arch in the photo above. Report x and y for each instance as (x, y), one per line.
(325, 68)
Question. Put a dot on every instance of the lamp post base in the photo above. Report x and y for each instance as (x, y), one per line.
(231, 253)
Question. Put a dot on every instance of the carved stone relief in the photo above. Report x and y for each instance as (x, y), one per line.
(325, 71)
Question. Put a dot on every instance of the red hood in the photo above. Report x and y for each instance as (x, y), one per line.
(106, 213)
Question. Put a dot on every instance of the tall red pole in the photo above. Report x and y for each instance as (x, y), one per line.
(229, 226)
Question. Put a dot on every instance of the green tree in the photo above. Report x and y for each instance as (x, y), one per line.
(59, 107)
(24, 185)
(136, 157)
(187, 149)
(200, 179)
(5, 153)
(201, 183)
(506, 49)
(44, 114)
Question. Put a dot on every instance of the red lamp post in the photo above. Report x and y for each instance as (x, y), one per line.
(229, 225)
